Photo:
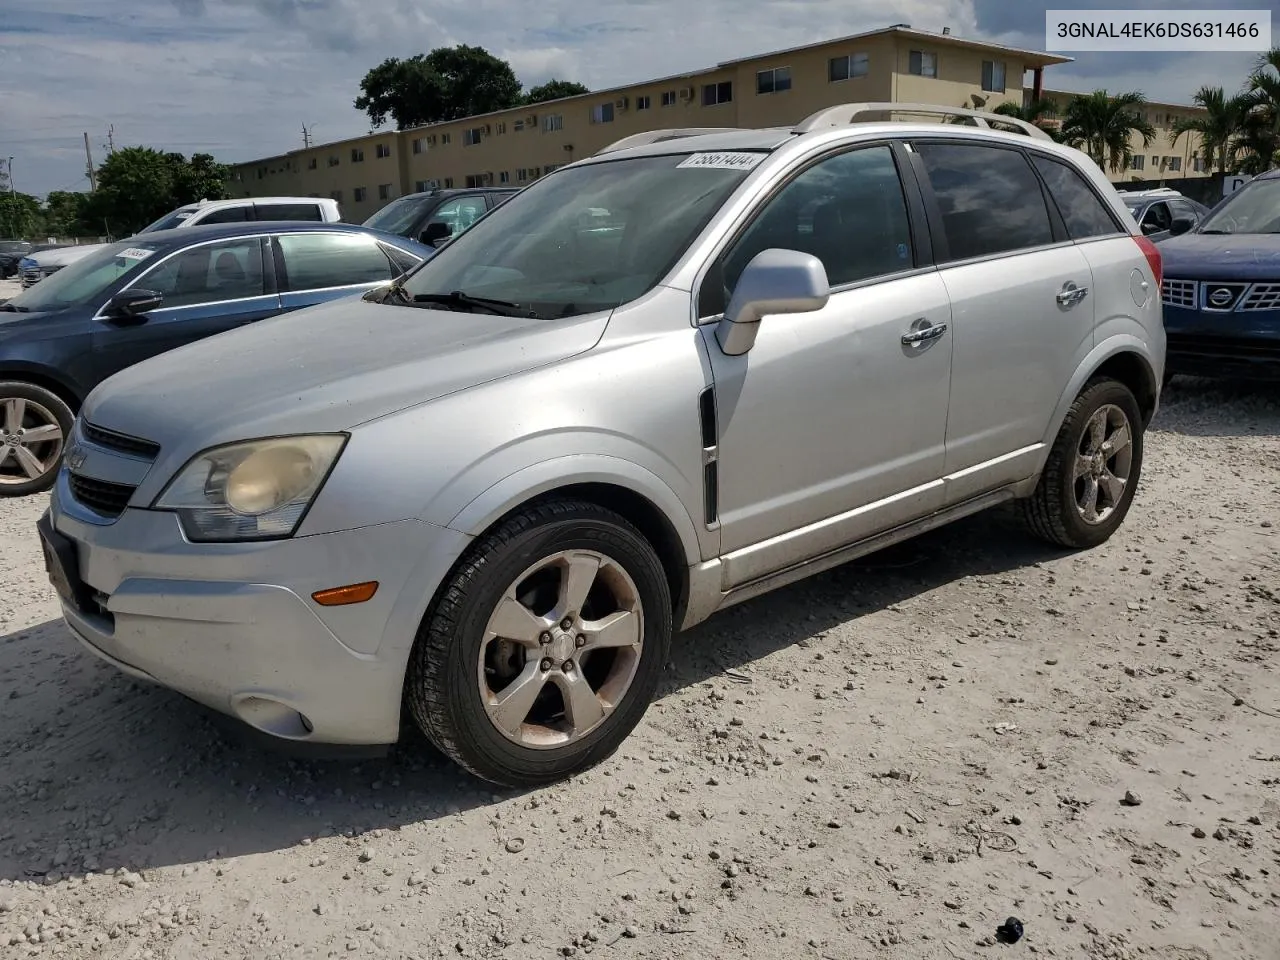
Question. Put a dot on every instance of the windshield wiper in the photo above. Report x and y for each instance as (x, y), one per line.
(457, 298)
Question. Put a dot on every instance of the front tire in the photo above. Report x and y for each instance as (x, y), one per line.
(34, 425)
(1092, 472)
(544, 648)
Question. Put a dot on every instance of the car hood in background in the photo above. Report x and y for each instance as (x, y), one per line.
(61, 256)
(324, 369)
(1222, 256)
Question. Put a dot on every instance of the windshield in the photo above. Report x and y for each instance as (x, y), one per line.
(83, 281)
(1133, 203)
(397, 217)
(170, 220)
(585, 238)
(14, 246)
(1254, 208)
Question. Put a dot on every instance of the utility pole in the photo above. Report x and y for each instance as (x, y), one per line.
(11, 189)
(88, 164)
(111, 138)
(306, 136)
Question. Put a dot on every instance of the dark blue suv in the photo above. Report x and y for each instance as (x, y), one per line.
(1221, 288)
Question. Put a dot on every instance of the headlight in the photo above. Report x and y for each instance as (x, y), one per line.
(257, 490)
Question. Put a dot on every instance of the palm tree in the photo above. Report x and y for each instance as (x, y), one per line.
(1103, 125)
(1220, 126)
(1254, 151)
(1043, 113)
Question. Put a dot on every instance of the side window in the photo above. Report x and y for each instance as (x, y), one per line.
(459, 214)
(403, 262)
(848, 210)
(225, 215)
(1181, 208)
(288, 211)
(990, 199)
(1157, 218)
(1083, 213)
(316, 260)
(230, 270)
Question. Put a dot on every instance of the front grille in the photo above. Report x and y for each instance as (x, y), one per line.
(120, 442)
(100, 496)
(1179, 293)
(32, 276)
(1262, 296)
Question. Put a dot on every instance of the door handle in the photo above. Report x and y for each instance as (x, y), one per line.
(1070, 294)
(924, 334)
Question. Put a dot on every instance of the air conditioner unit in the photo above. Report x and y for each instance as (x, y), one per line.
(686, 93)
(621, 103)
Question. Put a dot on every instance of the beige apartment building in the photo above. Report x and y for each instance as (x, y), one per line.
(516, 146)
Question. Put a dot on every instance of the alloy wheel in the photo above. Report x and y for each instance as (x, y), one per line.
(1103, 464)
(31, 440)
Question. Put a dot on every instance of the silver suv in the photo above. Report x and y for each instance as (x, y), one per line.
(658, 382)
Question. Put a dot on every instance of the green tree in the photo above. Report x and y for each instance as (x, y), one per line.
(1218, 128)
(446, 84)
(1254, 150)
(1043, 113)
(19, 214)
(64, 215)
(137, 185)
(1103, 125)
(554, 90)
(200, 178)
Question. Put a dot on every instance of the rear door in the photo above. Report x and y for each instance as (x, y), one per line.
(1021, 302)
(208, 288)
(317, 267)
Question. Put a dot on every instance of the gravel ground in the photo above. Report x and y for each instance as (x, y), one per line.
(887, 760)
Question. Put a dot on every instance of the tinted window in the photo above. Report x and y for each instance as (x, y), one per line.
(1183, 208)
(990, 199)
(459, 214)
(316, 260)
(848, 211)
(1157, 218)
(404, 262)
(228, 270)
(1083, 213)
(399, 216)
(226, 215)
(288, 211)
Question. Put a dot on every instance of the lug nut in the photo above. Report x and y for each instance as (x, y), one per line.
(581, 640)
(568, 666)
(545, 638)
(566, 623)
(546, 663)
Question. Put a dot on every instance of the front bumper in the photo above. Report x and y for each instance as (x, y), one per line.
(232, 626)
(1236, 343)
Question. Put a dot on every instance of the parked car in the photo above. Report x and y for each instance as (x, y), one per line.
(1163, 212)
(1222, 288)
(573, 433)
(432, 217)
(11, 251)
(36, 268)
(139, 297)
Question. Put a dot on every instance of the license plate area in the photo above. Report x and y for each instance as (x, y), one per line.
(62, 565)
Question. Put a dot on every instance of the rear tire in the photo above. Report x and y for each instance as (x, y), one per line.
(1092, 472)
(496, 679)
(34, 426)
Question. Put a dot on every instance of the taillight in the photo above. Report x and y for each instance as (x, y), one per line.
(1152, 253)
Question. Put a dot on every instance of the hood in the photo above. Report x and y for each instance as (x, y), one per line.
(323, 369)
(1222, 256)
(61, 256)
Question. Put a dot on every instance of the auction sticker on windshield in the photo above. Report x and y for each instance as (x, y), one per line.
(722, 161)
(135, 253)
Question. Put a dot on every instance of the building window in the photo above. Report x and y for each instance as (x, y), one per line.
(504, 177)
(847, 67)
(445, 138)
(644, 103)
(602, 113)
(312, 163)
(922, 64)
(555, 121)
(448, 183)
(773, 81)
(357, 155)
(716, 93)
(1197, 165)
(472, 136)
(335, 195)
(419, 144)
(522, 175)
(499, 128)
(1139, 162)
(668, 98)
(334, 161)
(518, 126)
(421, 186)
(359, 194)
(383, 150)
(993, 75)
(1175, 163)
(551, 166)
(384, 191)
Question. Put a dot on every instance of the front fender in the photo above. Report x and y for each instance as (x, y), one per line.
(1112, 346)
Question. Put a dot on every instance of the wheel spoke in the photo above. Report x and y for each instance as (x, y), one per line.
(1084, 465)
(1097, 430)
(618, 629)
(1112, 486)
(509, 708)
(582, 705)
(4, 455)
(1117, 441)
(49, 431)
(1089, 501)
(15, 409)
(31, 464)
(576, 577)
(514, 621)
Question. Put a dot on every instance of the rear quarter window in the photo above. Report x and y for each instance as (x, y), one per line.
(1083, 212)
(289, 211)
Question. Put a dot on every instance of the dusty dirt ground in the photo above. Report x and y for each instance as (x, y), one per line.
(888, 760)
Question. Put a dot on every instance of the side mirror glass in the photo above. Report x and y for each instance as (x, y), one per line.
(1181, 225)
(436, 233)
(131, 304)
(775, 281)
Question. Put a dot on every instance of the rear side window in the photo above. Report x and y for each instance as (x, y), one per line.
(313, 261)
(403, 262)
(225, 215)
(989, 198)
(1084, 214)
(288, 211)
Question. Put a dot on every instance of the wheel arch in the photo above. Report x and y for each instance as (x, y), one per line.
(46, 379)
(1124, 358)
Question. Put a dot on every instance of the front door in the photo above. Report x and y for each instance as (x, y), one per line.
(207, 289)
(832, 426)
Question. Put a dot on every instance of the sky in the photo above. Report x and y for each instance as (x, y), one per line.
(240, 78)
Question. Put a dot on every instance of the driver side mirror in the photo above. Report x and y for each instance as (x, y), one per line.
(436, 233)
(1181, 225)
(775, 281)
(131, 304)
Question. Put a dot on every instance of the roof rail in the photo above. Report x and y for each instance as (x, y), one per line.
(847, 113)
(657, 136)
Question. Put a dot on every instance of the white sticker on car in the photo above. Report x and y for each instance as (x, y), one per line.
(135, 253)
(722, 161)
